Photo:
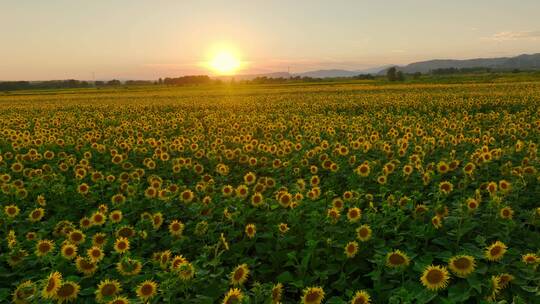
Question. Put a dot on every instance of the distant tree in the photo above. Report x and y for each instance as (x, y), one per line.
(391, 74)
(114, 82)
(417, 75)
(160, 81)
(99, 83)
(400, 76)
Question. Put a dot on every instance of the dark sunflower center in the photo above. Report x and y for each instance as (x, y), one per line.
(147, 289)
(238, 274)
(359, 300)
(396, 259)
(66, 290)
(312, 296)
(108, 290)
(462, 263)
(434, 276)
(496, 250)
(51, 284)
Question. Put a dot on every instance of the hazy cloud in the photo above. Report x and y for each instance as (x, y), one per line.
(514, 35)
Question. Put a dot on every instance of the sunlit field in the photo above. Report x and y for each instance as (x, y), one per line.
(294, 193)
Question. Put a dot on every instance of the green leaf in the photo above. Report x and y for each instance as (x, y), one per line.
(285, 277)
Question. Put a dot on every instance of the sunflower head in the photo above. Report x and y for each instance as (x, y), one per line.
(363, 233)
(68, 292)
(233, 296)
(495, 251)
(146, 290)
(52, 284)
(240, 274)
(351, 249)
(313, 295)
(435, 277)
(462, 265)
(361, 297)
(396, 259)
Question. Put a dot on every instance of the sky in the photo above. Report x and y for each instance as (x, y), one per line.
(136, 39)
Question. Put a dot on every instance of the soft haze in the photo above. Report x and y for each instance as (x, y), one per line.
(149, 39)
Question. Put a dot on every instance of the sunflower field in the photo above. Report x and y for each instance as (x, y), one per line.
(313, 193)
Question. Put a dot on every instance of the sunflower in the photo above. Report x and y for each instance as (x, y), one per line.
(186, 271)
(146, 290)
(129, 267)
(239, 275)
(363, 170)
(469, 168)
(443, 167)
(472, 204)
(435, 277)
(312, 295)
(506, 213)
(257, 199)
(277, 293)
(187, 196)
(86, 266)
(351, 249)
(121, 245)
(397, 258)
(69, 251)
(119, 300)
(530, 258)
(495, 287)
(233, 296)
(95, 254)
(36, 215)
(285, 199)
(24, 293)
(98, 218)
(115, 216)
(68, 292)
(250, 178)
(107, 289)
(436, 221)
(85, 223)
(157, 220)
(361, 297)
(176, 261)
(495, 251)
(407, 170)
(462, 265)
(176, 228)
(250, 230)
(363, 233)
(76, 237)
(11, 211)
(53, 282)
(333, 214)
(283, 228)
(354, 214)
(99, 239)
(505, 186)
(505, 279)
(44, 247)
(446, 187)
(491, 188)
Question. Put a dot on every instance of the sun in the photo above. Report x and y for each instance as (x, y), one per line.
(225, 63)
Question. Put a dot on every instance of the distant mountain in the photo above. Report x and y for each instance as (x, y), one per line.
(327, 73)
(522, 62)
(341, 73)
